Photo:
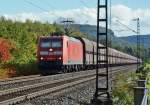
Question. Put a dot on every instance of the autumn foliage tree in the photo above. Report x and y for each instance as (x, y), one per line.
(5, 56)
(5, 48)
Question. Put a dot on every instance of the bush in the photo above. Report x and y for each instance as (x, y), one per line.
(123, 90)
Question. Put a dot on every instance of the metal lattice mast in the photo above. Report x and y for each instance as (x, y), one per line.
(67, 23)
(102, 90)
(138, 42)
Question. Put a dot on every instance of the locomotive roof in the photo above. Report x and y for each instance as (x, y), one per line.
(50, 36)
(70, 38)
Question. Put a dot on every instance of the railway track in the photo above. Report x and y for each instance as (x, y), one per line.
(31, 80)
(26, 92)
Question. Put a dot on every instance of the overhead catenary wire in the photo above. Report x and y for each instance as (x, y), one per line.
(51, 6)
(121, 30)
(54, 10)
(65, 20)
(48, 4)
(117, 30)
(35, 5)
(39, 7)
(83, 2)
(45, 10)
(60, 19)
(86, 6)
(126, 26)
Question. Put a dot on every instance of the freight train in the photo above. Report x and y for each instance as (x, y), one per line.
(66, 54)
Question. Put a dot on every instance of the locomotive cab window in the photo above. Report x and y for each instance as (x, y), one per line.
(56, 44)
(47, 43)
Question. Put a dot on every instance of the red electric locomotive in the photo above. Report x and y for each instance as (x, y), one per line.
(57, 53)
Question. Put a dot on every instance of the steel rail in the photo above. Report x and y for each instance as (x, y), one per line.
(17, 78)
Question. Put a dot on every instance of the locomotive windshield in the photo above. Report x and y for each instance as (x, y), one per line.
(53, 43)
(56, 44)
(45, 44)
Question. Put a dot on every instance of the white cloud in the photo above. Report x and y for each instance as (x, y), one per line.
(123, 13)
(79, 15)
(22, 16)
(88, 16)
(126, 16)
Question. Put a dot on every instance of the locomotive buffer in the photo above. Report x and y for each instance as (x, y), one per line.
(102, 94)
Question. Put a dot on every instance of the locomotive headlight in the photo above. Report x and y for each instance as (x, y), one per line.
(50, 49)
(59, 58)
(57, 53)
(43, 52)
(41, 58)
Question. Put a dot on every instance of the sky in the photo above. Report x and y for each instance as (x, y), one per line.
(82, 11)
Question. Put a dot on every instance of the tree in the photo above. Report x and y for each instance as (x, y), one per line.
(5, 48)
